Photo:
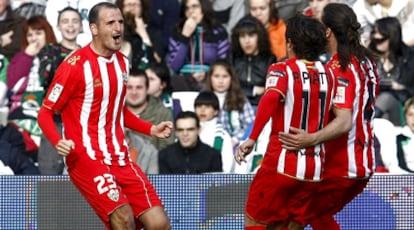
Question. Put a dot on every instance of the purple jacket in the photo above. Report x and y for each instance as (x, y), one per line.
(215, 45)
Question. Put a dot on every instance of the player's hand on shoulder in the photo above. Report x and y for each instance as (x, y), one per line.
(64, 147)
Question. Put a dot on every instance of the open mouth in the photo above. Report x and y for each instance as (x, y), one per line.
(117, 38)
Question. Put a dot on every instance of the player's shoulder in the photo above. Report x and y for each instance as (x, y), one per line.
(76, 58)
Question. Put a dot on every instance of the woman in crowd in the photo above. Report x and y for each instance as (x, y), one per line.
(266, 12)
(251, 56)
(137, 45)
(236, 113)
(197, 41)
(160, 86)
(23, 71)
(395, 67)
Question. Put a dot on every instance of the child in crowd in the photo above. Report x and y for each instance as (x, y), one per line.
(236, 113)
(206, 106)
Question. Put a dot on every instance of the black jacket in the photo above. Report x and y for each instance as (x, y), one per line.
(174, 159)
(251, 71)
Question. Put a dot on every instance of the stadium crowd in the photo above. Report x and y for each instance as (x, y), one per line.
(206, 56)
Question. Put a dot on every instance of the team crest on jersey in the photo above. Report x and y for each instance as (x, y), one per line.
(343, 82)
(55, 93)
(97, 82)
(113, 194)
(73, 60)
(340, 95)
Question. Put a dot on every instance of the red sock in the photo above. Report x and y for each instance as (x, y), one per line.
(325, 222)
(255, 228)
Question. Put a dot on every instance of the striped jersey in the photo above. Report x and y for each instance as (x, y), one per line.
(352, 154)
(89, 91)
(307, 89)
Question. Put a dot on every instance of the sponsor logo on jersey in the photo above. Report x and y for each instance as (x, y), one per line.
(55, 93)
(275, 73)
(72, 61)
(343, 82)
(97, 82)
(113, 194)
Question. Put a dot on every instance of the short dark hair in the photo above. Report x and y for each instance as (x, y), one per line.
(134, 72)
(68, 8)
(94, 12)
(187, 114)
(207, 98)
(307, 35)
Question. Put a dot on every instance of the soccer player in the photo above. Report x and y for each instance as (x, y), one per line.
(299, 93)
(89, 92)
(349, 159)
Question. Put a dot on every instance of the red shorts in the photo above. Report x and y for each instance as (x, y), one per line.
(334, 193)
(274, 197)
(107, 187)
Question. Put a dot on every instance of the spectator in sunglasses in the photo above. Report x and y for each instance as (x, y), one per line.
(395, 69)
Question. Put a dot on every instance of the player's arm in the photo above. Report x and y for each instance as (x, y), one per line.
(298, 138)
(46, 123)
(267, 105)
(161, 130)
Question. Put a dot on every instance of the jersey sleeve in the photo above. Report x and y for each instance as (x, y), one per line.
(63, 85)
(344, 90)
(277, 78)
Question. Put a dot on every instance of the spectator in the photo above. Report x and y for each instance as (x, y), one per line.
(4, 63)
(395, 69)
(189, 155)
(160, 86)
(315, 8)
(11, 33)
(145, 106)
(143, 153)
(229, 12)
(137, 45)
(236, 112)
(268, 15)
(197, 41)
(251, 56)
(368, 11)
(405, 140)
(13, 152)
(23, 79)
(83, 6)
(28, 9)
(206, 106)
(164, 15)
(69, 24)
(289, 8)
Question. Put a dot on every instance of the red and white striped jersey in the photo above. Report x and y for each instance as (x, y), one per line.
(89, 91)
(352, 154)
(307, 89)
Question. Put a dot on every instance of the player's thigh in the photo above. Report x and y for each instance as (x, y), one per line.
(155, 218)
(97, 184)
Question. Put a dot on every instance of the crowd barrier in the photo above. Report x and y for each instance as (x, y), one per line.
(210, 201)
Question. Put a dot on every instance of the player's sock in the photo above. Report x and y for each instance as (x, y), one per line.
(255, 228)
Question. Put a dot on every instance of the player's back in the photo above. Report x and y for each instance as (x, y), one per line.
(308, 89)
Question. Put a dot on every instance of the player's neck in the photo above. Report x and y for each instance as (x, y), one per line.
(101, 51)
